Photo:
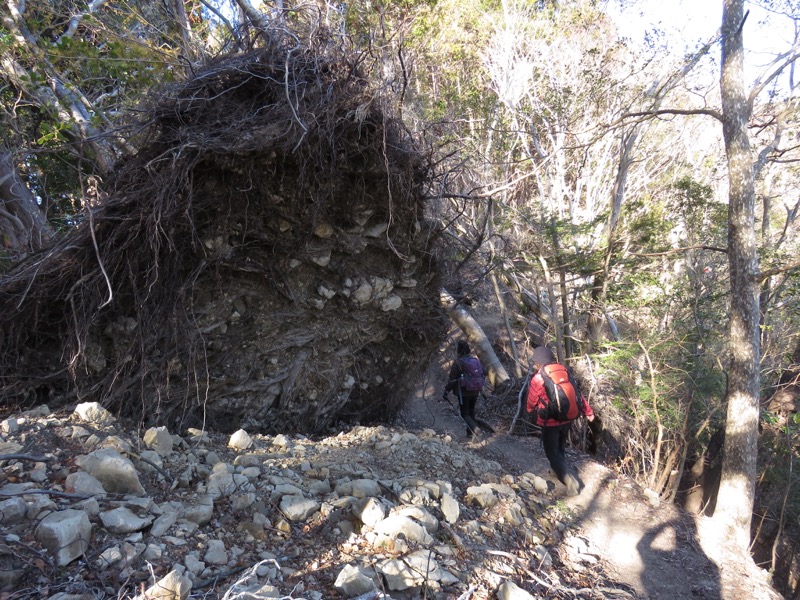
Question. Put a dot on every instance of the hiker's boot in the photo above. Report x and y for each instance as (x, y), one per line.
(573, 487)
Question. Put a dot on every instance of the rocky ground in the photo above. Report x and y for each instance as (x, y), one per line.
(92, 509)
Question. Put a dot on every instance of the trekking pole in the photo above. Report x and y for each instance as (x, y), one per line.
(446, 396)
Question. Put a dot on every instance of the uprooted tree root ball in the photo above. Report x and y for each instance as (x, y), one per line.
(262, 261)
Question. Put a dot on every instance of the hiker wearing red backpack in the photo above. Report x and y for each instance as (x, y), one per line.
(466, 379)
(555, 399)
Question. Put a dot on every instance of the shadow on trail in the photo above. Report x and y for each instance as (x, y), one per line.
(663, 545)
(655, 551)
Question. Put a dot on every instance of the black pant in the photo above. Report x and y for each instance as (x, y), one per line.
(554, 441)
(466, 405)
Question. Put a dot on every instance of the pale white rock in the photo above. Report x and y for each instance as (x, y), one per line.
(511, 591)
(259, 592)
(65, 534)
(109, 556)
(93, 412)
(221, 482)
(391, 303)
(360, 488)
(321, 257)
(162, 524)
(252, 473)
(174, 586)
(652, 497)
(9, 447)
(152, 552)
(482, 495)
(323, 230)
(514, 515)
(201, 512)
(326, 292)
(90, 506)
(281, 441)
(424, 562)
(450, 508)
(319, 487)
(198, 436)
(541, 557)
(370, 512)
(286, 489)
(115, 442)
(240, 440)
(422, 516)
(362, 294)
(40, 411)
(124, 520)
(248, 460)
(399, 576)
(216, 554)
(83, 483)
(115, 472)
(9, 425)
(418, 495)
(150, 459)
(354, 581)
(298, 508)
(240, 502)
(396, 525)
(159, 439)
(13, 511)
(376, 230)
(540, 485)
(193, 563)
(143, 505)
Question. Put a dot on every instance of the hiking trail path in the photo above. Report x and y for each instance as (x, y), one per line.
(660, 552)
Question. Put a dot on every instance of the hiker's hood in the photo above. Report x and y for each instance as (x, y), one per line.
(542, 355)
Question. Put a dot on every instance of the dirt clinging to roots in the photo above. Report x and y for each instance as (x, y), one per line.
(263, 260)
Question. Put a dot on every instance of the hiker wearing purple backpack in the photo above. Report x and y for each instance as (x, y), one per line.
(466, 381)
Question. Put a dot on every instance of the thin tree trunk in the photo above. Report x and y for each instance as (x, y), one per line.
(554, 311)
(509, 329)
(734, 508)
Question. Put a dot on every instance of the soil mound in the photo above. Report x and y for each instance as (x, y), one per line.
(261, 262)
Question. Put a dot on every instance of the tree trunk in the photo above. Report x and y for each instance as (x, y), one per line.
(734, 508)
(23, 227)
(477, 339)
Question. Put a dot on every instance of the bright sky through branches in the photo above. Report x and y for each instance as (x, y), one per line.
(684, 25)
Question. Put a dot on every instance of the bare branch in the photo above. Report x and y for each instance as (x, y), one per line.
(709, 112)
(75, 21)
(675, 250)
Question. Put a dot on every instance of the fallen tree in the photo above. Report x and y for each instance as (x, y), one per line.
(261, 261)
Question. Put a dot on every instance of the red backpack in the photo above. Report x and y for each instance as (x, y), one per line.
(471, 374)
(562, 394)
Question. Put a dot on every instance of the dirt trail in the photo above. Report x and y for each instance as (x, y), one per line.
(656, 551)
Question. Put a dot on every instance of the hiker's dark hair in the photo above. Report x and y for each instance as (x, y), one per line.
(462, 348)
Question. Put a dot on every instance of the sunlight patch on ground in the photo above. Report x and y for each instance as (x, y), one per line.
(620, 548)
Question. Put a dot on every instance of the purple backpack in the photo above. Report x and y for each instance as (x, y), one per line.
(471, 374)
